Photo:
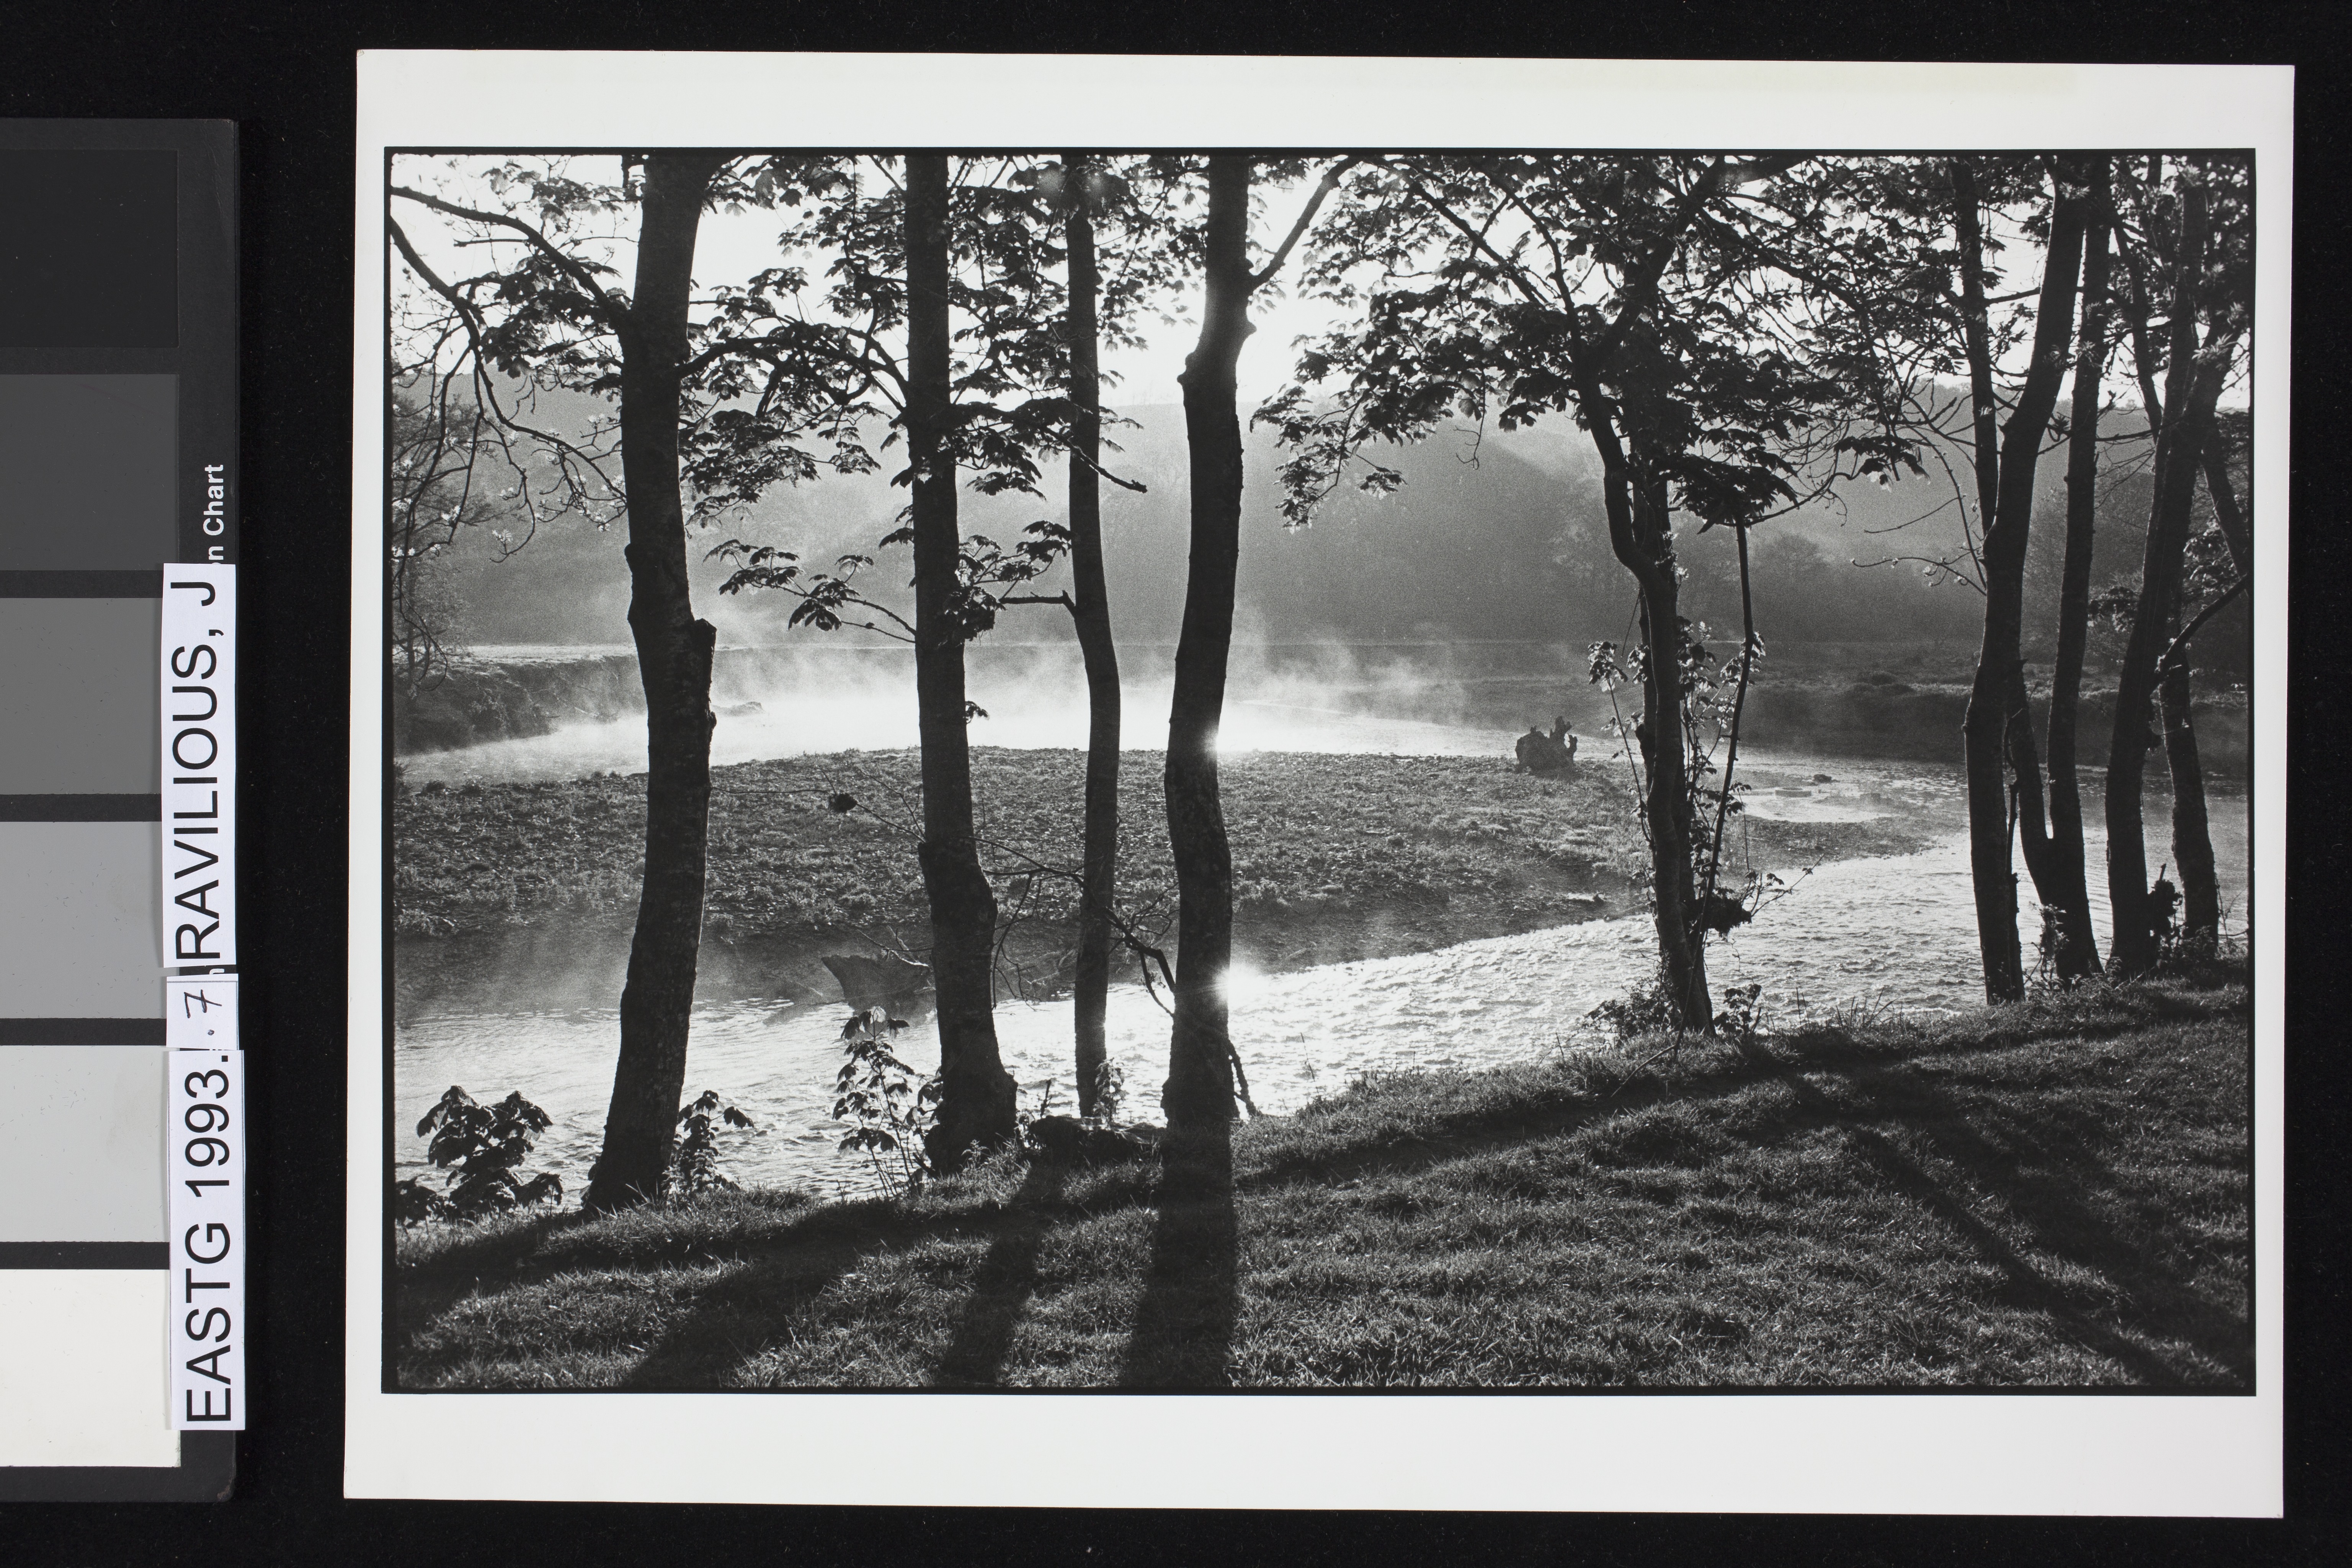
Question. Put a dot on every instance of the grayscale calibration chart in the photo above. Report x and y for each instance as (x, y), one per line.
(122, 1127)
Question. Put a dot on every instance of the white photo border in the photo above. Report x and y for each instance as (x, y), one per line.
(2152, 1455)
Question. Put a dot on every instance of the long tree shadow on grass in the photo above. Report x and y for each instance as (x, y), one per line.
(771, 1278)
(739, 1315)
(1001, 1286)
(2071, 1203)
(1933, 1114)
(1465, 1134)
(1460, 1134)
(1184, 1332)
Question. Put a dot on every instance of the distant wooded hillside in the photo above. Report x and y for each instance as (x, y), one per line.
(1492, 537)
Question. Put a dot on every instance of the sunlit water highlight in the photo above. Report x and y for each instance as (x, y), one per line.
(1896, 931)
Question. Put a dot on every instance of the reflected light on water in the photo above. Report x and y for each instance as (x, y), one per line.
(1242, 984)
(1895, 931)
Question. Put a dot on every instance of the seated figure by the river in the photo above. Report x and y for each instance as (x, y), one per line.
(887, 981)
(1545, 755)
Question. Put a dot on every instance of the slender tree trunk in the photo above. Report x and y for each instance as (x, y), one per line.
(2027, 803)
(674, 651)
(976, 1099)
(1090, 608)
(1200, 1089)
(1641, 537)
(1985, 723)
(2192, 838)
(1975, 332)
(2078, 953)
(1682, 943)
(2236, 530)
(2134, 943)
(2226, 514)
(1995, 730)
(1738, 712)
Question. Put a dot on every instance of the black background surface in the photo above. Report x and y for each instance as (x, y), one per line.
(286, 74)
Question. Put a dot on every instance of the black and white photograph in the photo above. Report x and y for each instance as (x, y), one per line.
(1313, 768)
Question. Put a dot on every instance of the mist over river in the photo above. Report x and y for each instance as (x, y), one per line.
(1898, 931)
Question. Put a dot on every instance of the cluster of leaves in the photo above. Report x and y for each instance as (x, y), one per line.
(888, 1110)
(1714, 324)
(1743, 1011)
(817, 354)
(1110, 1092)
(694, 1167)
(777, 387)
(542, 314)
(986, 572)
(2147, 209)
(480, 1145)
(820, 356)
(2114, 607)
(1924, 319)
(1645, 1010)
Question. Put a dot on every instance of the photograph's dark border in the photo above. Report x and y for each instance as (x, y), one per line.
(389, 1335)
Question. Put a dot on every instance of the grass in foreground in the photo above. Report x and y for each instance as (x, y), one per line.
(2052, 1195)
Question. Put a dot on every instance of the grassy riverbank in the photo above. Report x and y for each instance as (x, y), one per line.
(2050, 1195)
(1336, 857)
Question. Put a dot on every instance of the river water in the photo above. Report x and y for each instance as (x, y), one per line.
(1895, 931)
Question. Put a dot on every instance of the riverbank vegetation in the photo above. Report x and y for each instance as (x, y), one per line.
(2052, 1193)
(1374, 854)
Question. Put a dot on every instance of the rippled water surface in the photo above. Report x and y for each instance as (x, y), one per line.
(1897, 930)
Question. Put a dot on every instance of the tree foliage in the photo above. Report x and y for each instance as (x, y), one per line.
(1714, 326)
(1492, 287)
(820, 356)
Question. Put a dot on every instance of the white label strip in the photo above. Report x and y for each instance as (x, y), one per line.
(199, 691)
(204, 1123)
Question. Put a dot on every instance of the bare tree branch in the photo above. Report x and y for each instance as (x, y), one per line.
(1323, 188)
(2177, 650)
(470, 317)
(615, 314)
